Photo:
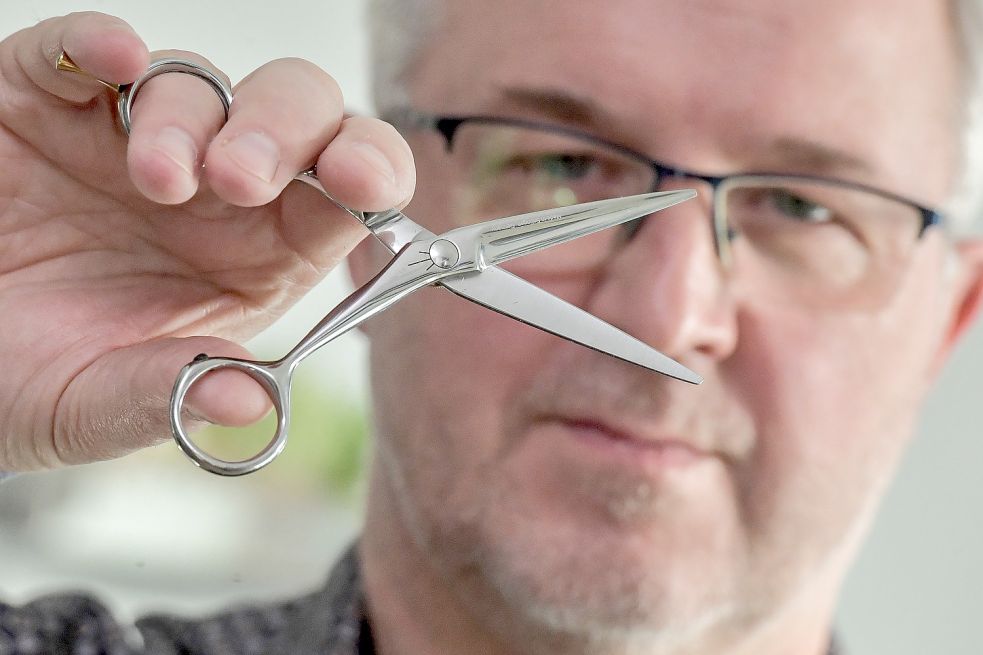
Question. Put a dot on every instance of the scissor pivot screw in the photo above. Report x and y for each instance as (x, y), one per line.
(444, 253)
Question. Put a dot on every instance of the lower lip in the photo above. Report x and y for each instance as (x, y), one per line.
(651, 455)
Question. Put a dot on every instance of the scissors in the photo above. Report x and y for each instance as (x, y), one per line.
(464, 260)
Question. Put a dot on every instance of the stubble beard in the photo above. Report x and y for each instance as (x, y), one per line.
(704, 583)
(540, 584)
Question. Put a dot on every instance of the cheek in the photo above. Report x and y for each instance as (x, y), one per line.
(447, 376)
(447, 373)
(834, 399)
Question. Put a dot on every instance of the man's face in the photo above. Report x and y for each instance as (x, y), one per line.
(593, 496)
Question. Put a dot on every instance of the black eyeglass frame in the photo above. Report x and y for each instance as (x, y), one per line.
(448, 126)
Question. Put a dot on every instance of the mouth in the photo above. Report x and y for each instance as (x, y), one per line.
(627, 445)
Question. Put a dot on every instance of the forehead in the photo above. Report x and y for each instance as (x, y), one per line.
(712, 80)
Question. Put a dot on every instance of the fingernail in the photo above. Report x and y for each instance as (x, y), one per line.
(376, 160)
(178, 146)
(256, 153)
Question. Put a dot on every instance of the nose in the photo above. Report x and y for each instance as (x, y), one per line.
(667, 287)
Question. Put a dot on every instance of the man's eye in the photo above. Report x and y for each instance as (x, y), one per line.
(567, 166)
(558, 166)
(802, 209)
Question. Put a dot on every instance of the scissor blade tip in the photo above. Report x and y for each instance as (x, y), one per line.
(679, 195)
(685, 375)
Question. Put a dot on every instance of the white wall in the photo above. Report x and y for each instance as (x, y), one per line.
(916, 587)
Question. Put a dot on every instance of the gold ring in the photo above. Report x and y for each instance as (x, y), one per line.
(66, 64)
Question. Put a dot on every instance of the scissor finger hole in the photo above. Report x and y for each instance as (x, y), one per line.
(163, 66)
(228, 450)
(240, 418)
(236, 444)
(226, 397)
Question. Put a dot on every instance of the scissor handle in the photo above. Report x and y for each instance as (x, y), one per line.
(128, 92)
(274, 377)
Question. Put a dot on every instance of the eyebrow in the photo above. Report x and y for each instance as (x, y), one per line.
(815, 157)
(782, 152)
(559, 105)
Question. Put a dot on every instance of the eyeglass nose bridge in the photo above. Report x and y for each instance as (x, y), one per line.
(719, 227)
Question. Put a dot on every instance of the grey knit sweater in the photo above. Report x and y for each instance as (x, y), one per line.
(328, 622)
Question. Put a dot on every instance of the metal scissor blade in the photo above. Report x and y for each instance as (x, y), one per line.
(508, 294)
(503, 239)
(392, 227)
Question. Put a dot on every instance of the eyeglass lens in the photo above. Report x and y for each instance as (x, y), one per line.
(784, 238)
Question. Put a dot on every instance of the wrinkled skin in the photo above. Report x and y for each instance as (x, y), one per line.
(528, 494)
(121, 259)
(500, 501)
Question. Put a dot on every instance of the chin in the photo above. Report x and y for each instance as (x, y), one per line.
(590, 586)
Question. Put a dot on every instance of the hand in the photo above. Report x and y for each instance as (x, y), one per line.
(115, 253)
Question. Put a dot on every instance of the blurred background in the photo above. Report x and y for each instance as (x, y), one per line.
(151, 532)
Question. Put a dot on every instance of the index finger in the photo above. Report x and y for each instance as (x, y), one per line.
(104, 46)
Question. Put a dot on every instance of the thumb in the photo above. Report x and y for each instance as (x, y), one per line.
(120, 402)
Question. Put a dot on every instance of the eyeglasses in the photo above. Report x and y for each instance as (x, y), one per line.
(798, 239)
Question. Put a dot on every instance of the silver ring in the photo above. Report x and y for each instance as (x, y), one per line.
(275, 380)
(129, 92)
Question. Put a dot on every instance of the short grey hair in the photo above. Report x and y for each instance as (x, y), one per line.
(966, 206)
(399, 30)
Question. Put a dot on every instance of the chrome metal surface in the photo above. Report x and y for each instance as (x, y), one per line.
(128, 92)
(391, 227)
(462, 260)
(444, 253)
(502, 239)
(404, 275)
(274, 377)
(505, 293)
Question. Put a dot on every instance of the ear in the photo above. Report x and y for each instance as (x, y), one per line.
(968, 292)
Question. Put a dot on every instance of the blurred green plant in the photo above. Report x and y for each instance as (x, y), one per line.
(327, 447)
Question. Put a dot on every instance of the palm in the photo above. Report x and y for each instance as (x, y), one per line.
(88, 266)
(202, 266)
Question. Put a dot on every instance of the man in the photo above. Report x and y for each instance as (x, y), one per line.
(527, 494)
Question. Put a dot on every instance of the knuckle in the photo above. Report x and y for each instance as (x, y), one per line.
(386, 130)
(237, 187)
(364, 128)
(63, 445)
(94, 18)
(82, 24)
(381, 132)
(179, 100)
(311, 77)
(193, 57)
